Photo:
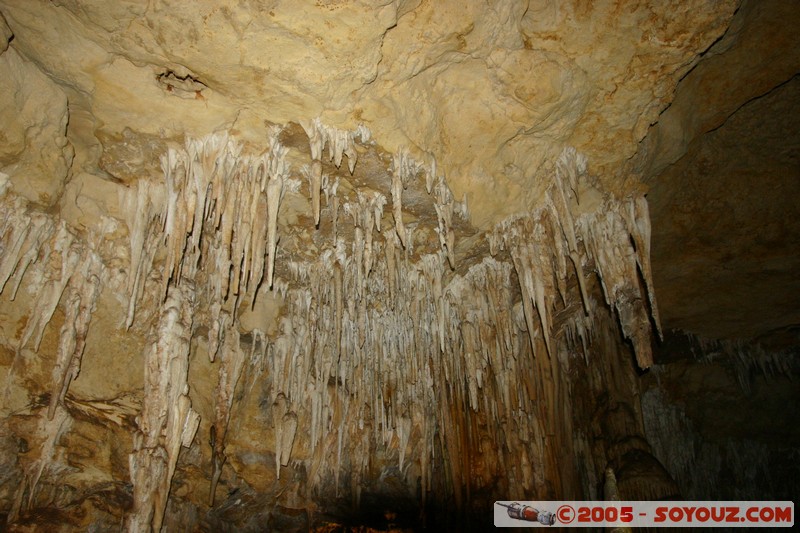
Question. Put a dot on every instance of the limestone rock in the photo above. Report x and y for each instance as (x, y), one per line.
(725, 212)
(493, 94)
(272, 261)
(5, 34)
(760, 51)
(34, 150)
(723, 168)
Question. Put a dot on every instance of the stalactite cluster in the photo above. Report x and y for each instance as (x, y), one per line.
(167, 420)
(455, 371)
(746, 359)
(614, 239)
(382, 351)
(56, 265)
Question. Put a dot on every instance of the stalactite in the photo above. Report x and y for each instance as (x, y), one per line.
(462, 208)
(339, 142)
(638, 219)
(335, 210)
(607, 239)
(167, 420)
(601, 236)
(440, 321)
(80, 304)
(433, 313)
(216, 196)
(430, 175)
(444, 206)
(50, 294)
(398, 175)
(50, 432)
(278, 172)
(23, 236)
(569, 167)
(285, 423)
(379, 348)
(35, 248)
(316, 142)
(141, 205)
(231, 364)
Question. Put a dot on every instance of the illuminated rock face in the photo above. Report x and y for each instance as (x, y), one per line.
(361, 346)
(493, 93)
(273, 265)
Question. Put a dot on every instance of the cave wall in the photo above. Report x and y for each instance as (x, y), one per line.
(288, 264)
(727, 410)
(493, 93)
(723, 168)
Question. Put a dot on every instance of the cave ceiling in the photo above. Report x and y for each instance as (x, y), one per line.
(492, 99)
(385, 231)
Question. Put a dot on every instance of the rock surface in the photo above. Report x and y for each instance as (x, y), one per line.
(493, 93)
(289, 264)
(34, 151)
(724, 215)
(724, 169)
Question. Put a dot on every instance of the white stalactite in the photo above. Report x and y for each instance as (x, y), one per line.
(82, 295)
(430, 175)
(274, 193)
(23, 236)
(231, 365)
(377, 349)
(315, 184)
(444, 206)
(316, 141)
(50, 294)
(285, 423)
(397, 199)
(142, 204)
(638, 220)
(167, 420)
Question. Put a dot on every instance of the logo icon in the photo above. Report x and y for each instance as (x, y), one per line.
(529, 514)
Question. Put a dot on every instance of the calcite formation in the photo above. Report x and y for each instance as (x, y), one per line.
(275, 264)
(386, 347)
(167, 420)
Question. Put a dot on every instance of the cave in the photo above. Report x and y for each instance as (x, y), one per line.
(340, 265)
